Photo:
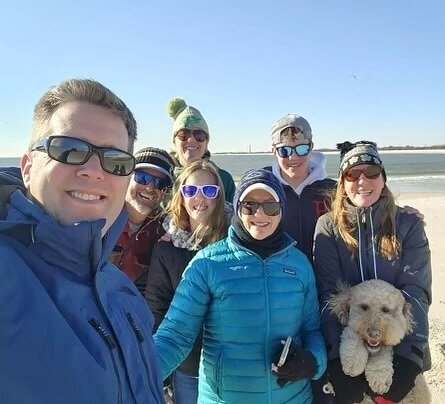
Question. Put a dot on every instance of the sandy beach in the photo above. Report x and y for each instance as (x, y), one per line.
(432, 205)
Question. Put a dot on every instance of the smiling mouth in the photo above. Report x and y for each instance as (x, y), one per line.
(260, 224)
(82, 196)
(373, 345)
(200, 208)
(147, 197)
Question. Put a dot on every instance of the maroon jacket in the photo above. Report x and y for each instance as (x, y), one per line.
(132, 253)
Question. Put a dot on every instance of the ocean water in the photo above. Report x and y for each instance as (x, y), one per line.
(406, 171)
(410, 171)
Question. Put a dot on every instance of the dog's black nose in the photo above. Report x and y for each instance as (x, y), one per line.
(373, 332)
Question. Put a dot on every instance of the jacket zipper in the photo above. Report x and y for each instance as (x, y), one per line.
(266, 289)
(111, 346)
(140, 337)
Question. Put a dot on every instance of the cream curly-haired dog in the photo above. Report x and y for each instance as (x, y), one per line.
(376, 317)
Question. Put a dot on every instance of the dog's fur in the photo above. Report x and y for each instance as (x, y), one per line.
(376, 317)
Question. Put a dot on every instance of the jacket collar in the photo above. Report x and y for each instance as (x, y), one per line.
(316, 169)
(77, 248)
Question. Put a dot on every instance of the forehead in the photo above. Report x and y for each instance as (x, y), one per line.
(294, 142)
(201, 177)
(258, 195)
(93, 123)
(359, 167)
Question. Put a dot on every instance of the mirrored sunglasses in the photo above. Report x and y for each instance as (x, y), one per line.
(209, 191)
(184, 135)
(300, 150)
(74, 151)
(270, 208)
(371, 172)
(143, 178)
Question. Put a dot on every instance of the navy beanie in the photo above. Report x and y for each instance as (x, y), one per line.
(259, 179)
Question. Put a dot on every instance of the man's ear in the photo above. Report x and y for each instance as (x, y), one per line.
(25, 166)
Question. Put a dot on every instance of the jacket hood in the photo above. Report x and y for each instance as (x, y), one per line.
(317, 172)
(10, 181)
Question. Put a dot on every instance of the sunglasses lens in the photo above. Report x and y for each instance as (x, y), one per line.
(189, 191)
(372, 172)
(184, 134)
(68, 150)
(248, 208)
(302, 149)
(143, 178)
(284, 151)
(271, 208)
(117, 161)
(199, 135)
(210, 191)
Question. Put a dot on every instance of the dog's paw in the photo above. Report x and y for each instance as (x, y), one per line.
(378, 381)
(353, 368)
(353, 354)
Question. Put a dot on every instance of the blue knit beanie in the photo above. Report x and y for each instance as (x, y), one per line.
(259, 179)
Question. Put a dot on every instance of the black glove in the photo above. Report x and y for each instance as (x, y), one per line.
(405, 373)
(300, 364)
(347, 389)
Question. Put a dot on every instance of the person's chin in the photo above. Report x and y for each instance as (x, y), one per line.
(259, 234)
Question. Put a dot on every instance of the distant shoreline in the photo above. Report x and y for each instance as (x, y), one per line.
(332, 151)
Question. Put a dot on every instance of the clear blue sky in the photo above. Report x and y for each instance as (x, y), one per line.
(355, 69)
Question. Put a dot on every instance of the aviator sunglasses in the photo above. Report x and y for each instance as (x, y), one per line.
(74, 151)
(300, 150)
(270, 208)
(209, 191)
(184, 135)
(143, 178)
(371, 172)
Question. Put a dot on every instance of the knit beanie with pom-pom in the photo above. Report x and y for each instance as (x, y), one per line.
(185, 117)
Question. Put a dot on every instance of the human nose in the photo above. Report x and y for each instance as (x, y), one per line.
(150, 185)
(259, 211)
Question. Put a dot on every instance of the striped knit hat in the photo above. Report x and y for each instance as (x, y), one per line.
(159, 159)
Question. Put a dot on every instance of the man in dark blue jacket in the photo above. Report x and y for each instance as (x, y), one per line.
(74, 329)
(301, 171)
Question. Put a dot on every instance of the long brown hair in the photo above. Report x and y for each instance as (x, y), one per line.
(386, 230)
(215, 227)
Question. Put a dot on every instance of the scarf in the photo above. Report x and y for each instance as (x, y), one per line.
(264, 248)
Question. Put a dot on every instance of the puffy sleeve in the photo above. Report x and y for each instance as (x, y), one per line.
(184, 320)
(327, 268)
(312, 339)
(414, 280)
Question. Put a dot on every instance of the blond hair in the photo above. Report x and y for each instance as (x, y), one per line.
(215, 227)
(386, 230)
(79, 90)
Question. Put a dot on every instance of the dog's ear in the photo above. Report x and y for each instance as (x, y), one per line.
(408, 314)
(339, 303)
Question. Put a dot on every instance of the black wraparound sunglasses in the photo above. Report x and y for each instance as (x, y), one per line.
(74, 151)
(270, 208)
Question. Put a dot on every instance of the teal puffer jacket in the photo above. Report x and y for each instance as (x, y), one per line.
(245, 306)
